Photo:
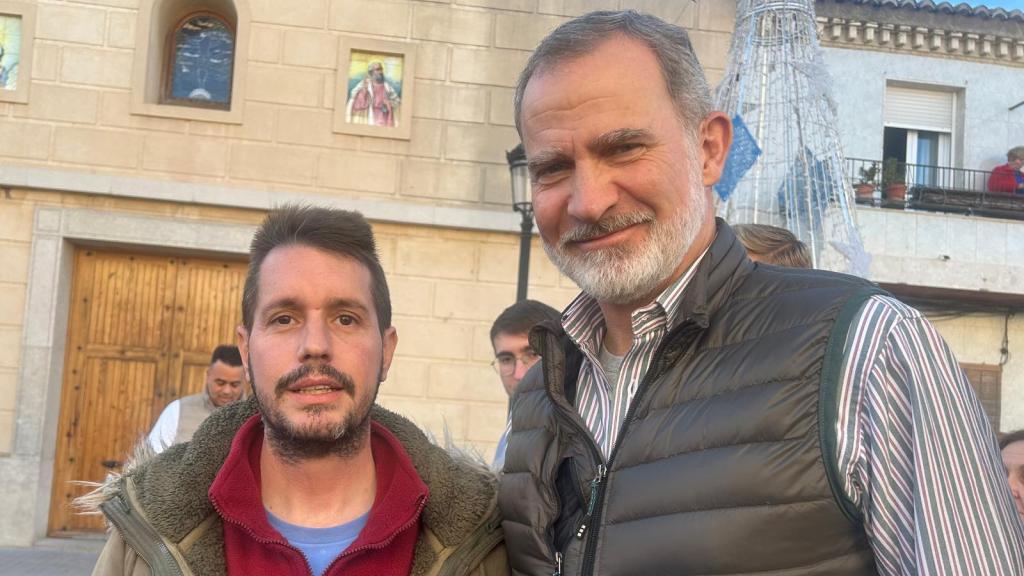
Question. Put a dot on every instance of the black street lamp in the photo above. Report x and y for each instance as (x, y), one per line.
(521, 203)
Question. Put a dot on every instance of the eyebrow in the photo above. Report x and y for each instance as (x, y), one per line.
(543, 159)
(598, 145)
(614, 138)
(288, 303)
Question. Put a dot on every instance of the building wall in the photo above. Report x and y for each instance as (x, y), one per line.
(447, 286)
(469, 56)
(978, 339)
(944, 250)
(859, 78)
(77, 165)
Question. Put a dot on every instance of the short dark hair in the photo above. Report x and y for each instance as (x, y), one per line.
(680, 69)
(1010, 437)
(226, 353)
(520, 317)
(773, 245)
(342, 232)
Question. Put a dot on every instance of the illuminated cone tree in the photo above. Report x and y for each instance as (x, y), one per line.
(786, 163)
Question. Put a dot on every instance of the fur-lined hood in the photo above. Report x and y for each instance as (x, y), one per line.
(171, 487)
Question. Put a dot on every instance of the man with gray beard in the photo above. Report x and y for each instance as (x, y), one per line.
(695, 412)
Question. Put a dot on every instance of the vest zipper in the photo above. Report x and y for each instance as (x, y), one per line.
(558, 561)
(658, 367)
(602, 471)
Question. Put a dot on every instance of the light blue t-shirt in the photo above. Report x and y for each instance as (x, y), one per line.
(320, 545)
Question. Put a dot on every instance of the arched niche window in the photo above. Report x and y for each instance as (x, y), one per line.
(200, 61)
(190, 59)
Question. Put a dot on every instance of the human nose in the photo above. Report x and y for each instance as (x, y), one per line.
(521, 368)
(315, 339)
(593, 193)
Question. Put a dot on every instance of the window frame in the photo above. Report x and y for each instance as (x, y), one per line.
(981, 370)
(167, 78)
(157, 17)
(27, 13)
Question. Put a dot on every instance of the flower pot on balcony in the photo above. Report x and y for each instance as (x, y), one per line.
(896, 191)
(864, 190)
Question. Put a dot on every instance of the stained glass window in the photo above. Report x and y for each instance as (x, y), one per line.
(202, 51)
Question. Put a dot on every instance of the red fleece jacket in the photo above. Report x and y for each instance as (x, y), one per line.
(252, 546)
(1003, 179)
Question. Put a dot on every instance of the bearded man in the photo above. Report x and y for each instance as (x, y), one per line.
(373, 101)
(309, 476)
(695, 412)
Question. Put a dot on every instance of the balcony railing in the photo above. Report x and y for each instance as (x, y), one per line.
(934, 188)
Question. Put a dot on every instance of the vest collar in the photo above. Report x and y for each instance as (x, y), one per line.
(718, 274)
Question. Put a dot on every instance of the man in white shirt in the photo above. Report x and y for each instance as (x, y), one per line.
(224, 385)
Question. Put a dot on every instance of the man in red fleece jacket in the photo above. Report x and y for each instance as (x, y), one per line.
(311, 483)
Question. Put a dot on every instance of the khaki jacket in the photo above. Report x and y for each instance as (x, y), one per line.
(164, 524)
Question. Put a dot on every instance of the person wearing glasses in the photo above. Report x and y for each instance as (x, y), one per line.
(513, 355)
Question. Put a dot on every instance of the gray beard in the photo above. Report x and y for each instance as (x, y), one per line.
(620, 275)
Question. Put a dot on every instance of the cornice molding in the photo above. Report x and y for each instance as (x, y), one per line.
(920, 40)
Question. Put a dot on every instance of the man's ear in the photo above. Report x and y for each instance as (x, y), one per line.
(242, 339)
(390, 342)
(715, 139)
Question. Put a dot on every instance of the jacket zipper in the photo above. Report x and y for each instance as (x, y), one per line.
(382, 544)
(598, 487)
(260, 539)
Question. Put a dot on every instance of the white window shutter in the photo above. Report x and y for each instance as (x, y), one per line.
(917, 109)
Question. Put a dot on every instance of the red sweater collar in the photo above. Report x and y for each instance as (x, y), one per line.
(401, 494)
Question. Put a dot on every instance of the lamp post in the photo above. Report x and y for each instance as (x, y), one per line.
(521, 203)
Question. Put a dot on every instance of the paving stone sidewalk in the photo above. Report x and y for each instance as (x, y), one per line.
(51, 557)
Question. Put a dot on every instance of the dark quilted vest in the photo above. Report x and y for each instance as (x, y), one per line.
(725, 465)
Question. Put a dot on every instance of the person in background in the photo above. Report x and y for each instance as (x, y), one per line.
(513, 355)
(225, 383)
(1007, 179)
(773, 245)
(1011, 446)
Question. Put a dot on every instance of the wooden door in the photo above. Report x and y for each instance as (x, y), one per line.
(140, 335)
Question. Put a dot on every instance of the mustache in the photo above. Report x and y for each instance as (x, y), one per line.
(604, 226)
(340, 379)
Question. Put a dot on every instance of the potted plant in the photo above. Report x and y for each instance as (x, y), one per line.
(865, 188)
(894, 179)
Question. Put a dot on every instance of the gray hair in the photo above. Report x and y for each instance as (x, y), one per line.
(682, 72)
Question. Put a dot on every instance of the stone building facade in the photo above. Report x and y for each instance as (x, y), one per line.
(92, 161)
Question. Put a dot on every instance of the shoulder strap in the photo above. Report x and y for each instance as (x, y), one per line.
(828, 397)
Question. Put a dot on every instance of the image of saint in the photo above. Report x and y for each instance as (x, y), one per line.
(6, 76)
(10, 51)
(373, 100)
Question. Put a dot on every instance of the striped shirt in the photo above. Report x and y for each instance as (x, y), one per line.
(915, 451)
